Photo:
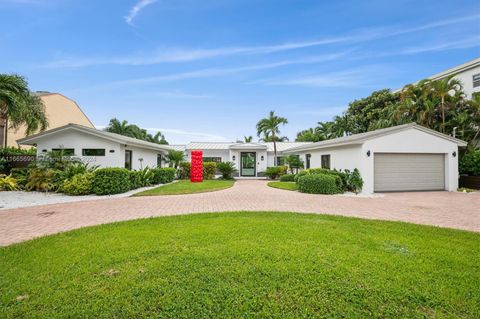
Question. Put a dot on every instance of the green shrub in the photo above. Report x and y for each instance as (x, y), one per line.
(40, 179)
(5, 151)
(287, 178)
(80, 184)
(352, 180)
(141, 178)
(470, 163)
(164, 175)
(226, 169)
(184, 170)
(111, 180)
(8, 183)
(135, 178)
(209, 169)
(319, 184)
(21, 175)
(322, 171)
(273, 172)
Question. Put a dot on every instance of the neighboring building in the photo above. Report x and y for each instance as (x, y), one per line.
(407, 157)
(250, 159)
(468, 73)
(60, 110)
(98, 147)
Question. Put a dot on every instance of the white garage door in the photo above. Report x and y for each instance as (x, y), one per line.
(408, 172)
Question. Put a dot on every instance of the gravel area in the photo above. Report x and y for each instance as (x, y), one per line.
(19, 199)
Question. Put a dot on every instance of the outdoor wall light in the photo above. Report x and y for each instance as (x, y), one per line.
(44, 151)
(233, 157)
(368, 153)
(454, 154)
(261, 158)
(112, 151)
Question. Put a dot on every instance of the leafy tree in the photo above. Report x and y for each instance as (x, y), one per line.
(132, 130)
(294, 162)
(19, 107)
(174, 158)
(270, 128)
(441, 89)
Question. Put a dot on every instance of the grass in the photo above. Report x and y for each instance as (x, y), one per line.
(290, 186)
(187, 187)
(244, 265)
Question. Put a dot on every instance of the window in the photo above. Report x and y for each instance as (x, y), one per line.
(128, 159)
(159, 160)
(280, 161)
(93, 152)
(65, 151)
(307, 160)
(212, 159)
(476, 80)
(326, 161)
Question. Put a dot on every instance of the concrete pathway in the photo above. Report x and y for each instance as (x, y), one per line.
(454, 210)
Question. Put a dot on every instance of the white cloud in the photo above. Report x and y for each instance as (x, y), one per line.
(135, 10)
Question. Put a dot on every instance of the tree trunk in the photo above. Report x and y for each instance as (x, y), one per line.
(443, 114)
(274, 150)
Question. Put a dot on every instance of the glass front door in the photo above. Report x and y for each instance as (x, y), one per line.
(248, 161)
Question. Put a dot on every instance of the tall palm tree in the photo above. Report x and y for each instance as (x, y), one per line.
(19, 107)
(158, 138)
(248, 139)
(441, 89)
(122, 128)
(173, 158)
(270, 128)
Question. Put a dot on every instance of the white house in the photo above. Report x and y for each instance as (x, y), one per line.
(99, 147)
(468, 73)
(407, 157)
(250, 159)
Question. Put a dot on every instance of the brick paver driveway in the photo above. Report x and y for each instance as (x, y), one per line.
(455, 210)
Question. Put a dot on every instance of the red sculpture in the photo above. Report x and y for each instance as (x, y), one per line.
(196, 167)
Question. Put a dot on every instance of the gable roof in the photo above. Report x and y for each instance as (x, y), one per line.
(362, 137)
(29, 140)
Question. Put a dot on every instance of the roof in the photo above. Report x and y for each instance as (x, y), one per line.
(281, 146)
(362, 137)
(29, 140)
(178, 147)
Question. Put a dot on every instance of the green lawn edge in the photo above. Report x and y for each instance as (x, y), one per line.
(289, 186)
(184, 187)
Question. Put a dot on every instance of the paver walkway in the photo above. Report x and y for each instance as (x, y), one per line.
(454, 210)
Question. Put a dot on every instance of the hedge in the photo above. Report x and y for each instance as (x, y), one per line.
(287, 178)
(164, 175)
(80, 184)
(209, 169)
(111, 180)
(184, 170)
(319, 184)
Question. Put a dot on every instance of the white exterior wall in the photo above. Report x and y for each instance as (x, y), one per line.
(467, 80)
(261, 166)
(78, 141)
(341, 157)
(410, 141)
(149, 157)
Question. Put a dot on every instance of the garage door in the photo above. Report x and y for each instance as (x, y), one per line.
(408, 172)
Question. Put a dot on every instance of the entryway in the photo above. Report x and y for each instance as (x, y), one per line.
(248, 162)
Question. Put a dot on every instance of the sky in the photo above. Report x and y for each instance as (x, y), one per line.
(209, 70)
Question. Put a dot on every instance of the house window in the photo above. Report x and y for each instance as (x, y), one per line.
(212, 159)
(159, 160)
(476, 80)
(93, 152)
(326, 161)
(64, 151)
(280, 161)
(307, 160)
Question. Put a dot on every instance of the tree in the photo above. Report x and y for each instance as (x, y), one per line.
(122, 128)
(270, 128)
(19, 107)
(174, 158)
(441, 89)
(294, 162)
(247, 139)
(158, 138)
(132, 130)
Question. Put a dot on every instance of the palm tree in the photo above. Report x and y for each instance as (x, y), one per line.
(158, 138)
(441, 89)
(122, 128)
(270, 128)
(19, 107)
(174, 158)
(248, 139)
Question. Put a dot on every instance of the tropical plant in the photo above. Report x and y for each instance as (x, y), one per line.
(209, 170)
(132, 130)
(40, 179)
(19, 107)
(80, 184)
(274, 172)
(469, 163)
(294, 163)
(247, 139)
(269, 127)
(111, 180)
(8, 183)
(184, 170)
(164, 175)
(319, 184)
(226, 169)
(174, 158)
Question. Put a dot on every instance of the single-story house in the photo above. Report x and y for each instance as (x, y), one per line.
(250, 159)
(407, 157)
(98, 147)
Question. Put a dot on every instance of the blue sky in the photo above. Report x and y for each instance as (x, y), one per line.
(208, 70)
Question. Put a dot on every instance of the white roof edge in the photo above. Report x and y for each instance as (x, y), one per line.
(29, 140)
(360, 138)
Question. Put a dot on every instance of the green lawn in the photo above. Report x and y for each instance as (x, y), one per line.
(244, 265)
(187, 187)
(291, 186)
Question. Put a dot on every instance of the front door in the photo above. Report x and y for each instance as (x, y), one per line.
(247, 165)
(128, 159)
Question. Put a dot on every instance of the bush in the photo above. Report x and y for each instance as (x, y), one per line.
(352, 180)
(322, 171)
(135, 178)
(184, 170)
(80, 184)
(40, 179)
(164, 175)
(274, 172)
(319, 184)
(111, 180)
(209, 169)
(8, 183)
(21, 175)
(226, 169)
(5, 151)
(287, 178)
(470, 163)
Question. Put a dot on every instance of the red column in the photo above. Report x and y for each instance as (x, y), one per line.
(196, 167)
